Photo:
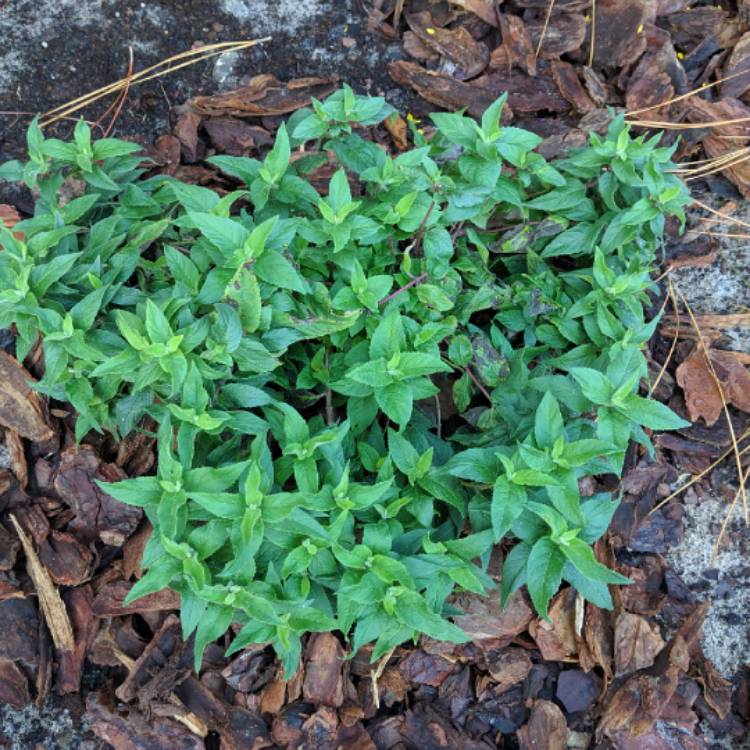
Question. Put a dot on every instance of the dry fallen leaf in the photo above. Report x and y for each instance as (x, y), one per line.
(738, 62)
(702, 396)
(556, 639)
(396, 126)
(489, 625)
(20, 407)
(637, 642)
(468, 57)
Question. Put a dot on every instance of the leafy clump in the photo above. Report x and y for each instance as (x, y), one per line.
(357, 395)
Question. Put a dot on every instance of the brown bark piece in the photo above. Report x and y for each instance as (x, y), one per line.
(566, 78)
(546, 728)
(425, 669)
(265, 95)
(323, 683)
(14, 686)
(68, 562)
(98, 515)
(517, 40)
(565, 32)
(20, 407)
(133, 731)
(508, 667)
(618, 40)
(444, 90)
(85, 627)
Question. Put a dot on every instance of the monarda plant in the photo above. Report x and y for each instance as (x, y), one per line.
(358, 395)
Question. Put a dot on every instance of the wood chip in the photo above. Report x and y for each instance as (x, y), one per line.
(20, 407)
(50, 601)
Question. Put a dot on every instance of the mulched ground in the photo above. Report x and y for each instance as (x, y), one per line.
(633, 679)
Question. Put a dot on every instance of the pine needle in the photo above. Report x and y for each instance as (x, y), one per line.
(670, 297)
(712, 371)
(697, 477)
(165, 67)
(544, 29)
(729, 219)
(693, 92)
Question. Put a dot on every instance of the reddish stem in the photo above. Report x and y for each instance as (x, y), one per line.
(413, 282)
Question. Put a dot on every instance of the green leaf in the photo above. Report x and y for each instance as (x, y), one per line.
(339, 193)
(273, 268)
(438, 250)
(211, 479)
(412, 610)
(543, 573)
(581, 556)
(459, 129)
(227, 234)
(514, 571)
(548, 422)
(214, 623)
(374, 373)
(594, 384)
(594, 591)
(157, 325)
(396, 400)
(140, 491)
(508, 502)
(416, 364)
(651, 414)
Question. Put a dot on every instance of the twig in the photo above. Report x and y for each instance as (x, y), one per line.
(123, 96)
(476, 382)
(417, 244)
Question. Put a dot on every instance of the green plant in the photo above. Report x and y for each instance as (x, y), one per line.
(357, 395)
